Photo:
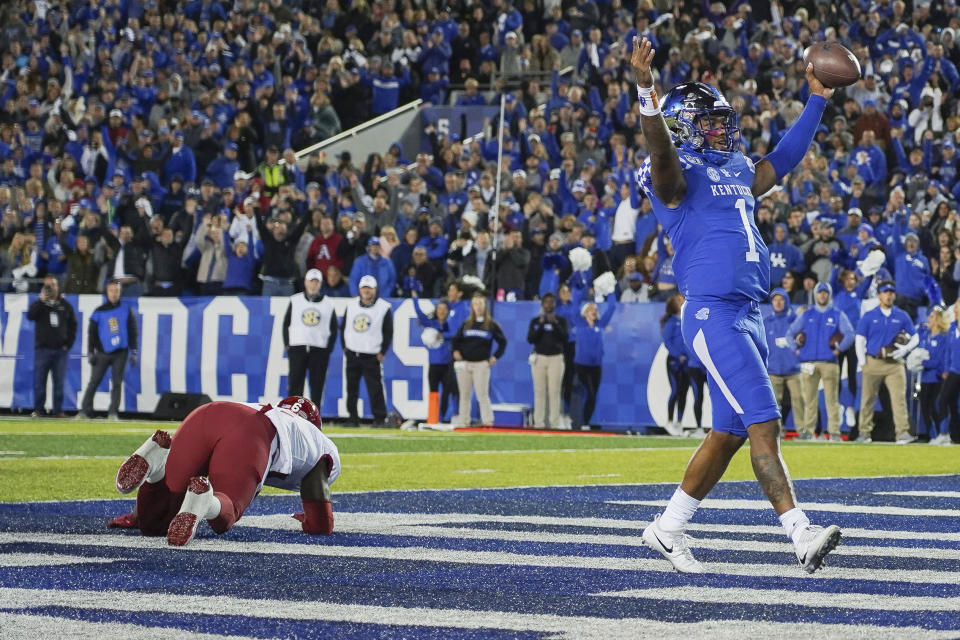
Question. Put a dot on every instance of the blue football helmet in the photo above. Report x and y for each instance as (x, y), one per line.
(690, 110)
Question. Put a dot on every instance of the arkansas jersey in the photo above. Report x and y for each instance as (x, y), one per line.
(297, 449)
(719, 251)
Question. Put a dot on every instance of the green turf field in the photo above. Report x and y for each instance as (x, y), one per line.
(63, 460)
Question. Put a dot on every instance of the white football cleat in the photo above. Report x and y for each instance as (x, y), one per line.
(673, 428)
(147, 464)
(198, 504)
(814, 544)
(672, 546)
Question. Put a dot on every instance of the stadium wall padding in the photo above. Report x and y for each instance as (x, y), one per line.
(231, 349)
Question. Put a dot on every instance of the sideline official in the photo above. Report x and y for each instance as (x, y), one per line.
(54, 333)
(111, 339)
(309, 331)
(882, 362)
(548, 334)
(367, 334)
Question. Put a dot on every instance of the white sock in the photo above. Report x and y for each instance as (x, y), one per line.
(794, 521)
(678, 512)
(213, 508)
(156, 458)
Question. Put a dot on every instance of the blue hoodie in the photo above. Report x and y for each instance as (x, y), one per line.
(937, 345)
(782, 360)
(673, 338)
(909, 269)
(849, 301)
(819, 324)
(951, 356)
(784, 257)
(444, 353)
(589, 350)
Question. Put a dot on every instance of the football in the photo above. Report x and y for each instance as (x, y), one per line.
(899, 340)
(833, 64)
(836, 339)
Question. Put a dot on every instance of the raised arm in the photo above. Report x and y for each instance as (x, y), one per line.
(666, 174)
(795, 142)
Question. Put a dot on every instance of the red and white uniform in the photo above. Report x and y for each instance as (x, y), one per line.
(295, 451)
(240, 447)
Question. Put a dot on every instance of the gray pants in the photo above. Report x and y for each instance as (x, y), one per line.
(547, 375)
(791, 383)
(117, 362)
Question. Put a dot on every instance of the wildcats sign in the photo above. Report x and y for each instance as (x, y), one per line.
(231, 348)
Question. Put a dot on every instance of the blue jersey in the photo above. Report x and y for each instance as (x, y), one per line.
(719, 250)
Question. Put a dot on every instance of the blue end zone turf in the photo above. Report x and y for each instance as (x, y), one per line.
(499, 563)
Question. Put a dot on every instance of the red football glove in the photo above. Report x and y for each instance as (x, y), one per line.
(317, 517)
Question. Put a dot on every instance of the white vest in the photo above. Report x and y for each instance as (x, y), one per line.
(363, 326)
(297, 449)
(310, 321)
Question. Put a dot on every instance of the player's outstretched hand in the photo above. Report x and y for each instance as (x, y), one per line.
(641, 60)
(815, 85)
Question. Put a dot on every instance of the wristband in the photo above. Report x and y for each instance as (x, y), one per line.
(649, 103)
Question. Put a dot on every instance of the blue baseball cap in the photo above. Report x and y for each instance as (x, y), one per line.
(822, 286)
(231, 146)
(887, 286)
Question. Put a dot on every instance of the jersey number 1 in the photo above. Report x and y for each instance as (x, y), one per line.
(752, 254)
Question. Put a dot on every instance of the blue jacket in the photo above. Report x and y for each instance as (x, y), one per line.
(589, 350)
(221, 171)
(783, 257)
(783, 360)
(880, 330)
(444, 353)
(937, 345)
(673, 339)
(381, 269)
(849, 301)
(951, 356)
(182, 162)
(909, 270)
(819, 325)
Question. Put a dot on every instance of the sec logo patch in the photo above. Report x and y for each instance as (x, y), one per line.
(361, 323)
(713, 174)
(310, 317)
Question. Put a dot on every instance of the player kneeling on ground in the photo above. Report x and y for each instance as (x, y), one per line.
(239, 448)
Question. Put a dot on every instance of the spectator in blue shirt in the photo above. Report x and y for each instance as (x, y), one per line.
(224, 168)
(371, 263)
(910, 267)
(881, 361)
(782, 363)
(822, 333)
(386, 88)
(933, 338)
(439, 352)
(676, 363)
(784, 256)
(180, 160)
(588, 357)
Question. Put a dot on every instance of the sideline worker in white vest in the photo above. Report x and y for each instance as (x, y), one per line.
(367, 334)
(309, 331)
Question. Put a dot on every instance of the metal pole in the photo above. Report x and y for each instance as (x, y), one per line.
(494, 216)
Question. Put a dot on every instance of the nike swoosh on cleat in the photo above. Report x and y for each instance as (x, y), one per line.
(667, 549)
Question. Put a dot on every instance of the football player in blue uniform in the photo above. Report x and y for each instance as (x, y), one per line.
(703, 191)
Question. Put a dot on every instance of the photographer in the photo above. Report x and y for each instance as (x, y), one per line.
(54, 332)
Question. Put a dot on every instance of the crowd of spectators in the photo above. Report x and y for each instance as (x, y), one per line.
(152, 142)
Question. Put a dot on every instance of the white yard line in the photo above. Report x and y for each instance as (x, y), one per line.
(919, 494)
(45, 627)
(787, 569)
(47, 560)
(840, 600)
(350, 523)
(580, 627)
(832, 507)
